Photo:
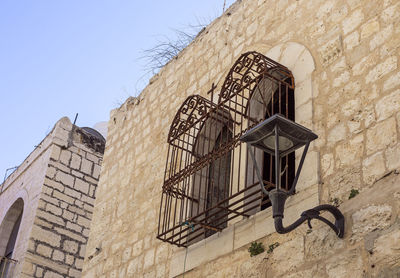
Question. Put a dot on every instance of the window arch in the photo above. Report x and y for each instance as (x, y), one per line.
(199, 195)
(9, 228)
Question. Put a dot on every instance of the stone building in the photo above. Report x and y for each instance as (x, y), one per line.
(334, 67)
(46, 204)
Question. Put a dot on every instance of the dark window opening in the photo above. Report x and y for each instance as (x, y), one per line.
(218, 184)
(282, 102)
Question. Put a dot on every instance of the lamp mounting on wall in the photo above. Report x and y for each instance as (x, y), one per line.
(280, 136)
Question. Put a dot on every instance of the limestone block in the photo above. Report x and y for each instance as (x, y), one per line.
(275, 52)
(322, 242)
(381, 69)
(54, 184)
(388, 105)
(352, 22)
(381, 37)
(44, 250)
(386, 249)
(369, 28)
(74, 227)
(53, 209)
(318, 270)
(303, 92)
(65, 157)
(73, 193)
(148, 258)
(137, 248)
(291, 53)
(310, 171)
(70, 234)
(352, 40)
(75, 161)
(86, 166)
(295, 248)
(74, 273)
(46, 236)
(343, 78)
(327, 164)
(84, 221)
(55, 152)
(220, 243)
(349, 152)
(392, 158)
(96, 171)
(65, 178)
(337, 133)
(70, 246)
(81, 186)
(365, 63)
(351, 107)
(160, 271)
(39, 272)
(50, 217)
(51, 274)
(132, 267)
(63, 197)
(340, 66)
(303, 67)
(263, 224)
(78, 263)
(304, 114)
(373, 168)
(51, 172)
(392, 82)
(58, 255)
(346, 264)
(244, 233)
(341, 183)
(381, 135)
(371, 218)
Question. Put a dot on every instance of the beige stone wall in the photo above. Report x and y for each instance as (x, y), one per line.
(57, 183)
(352, 103)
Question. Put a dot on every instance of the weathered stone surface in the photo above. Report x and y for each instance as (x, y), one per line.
(354, 60)
(44, 250)
(70, 246)
(350, 23)
(382, 69)
(321, 243)
(370, 219)
(81, 186)
(350, 152)
(387, 248)
(382, 135)
(392, 82)
(373, 168)
(346, 264)
(388, 105)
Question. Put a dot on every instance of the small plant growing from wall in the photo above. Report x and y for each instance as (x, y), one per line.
(353, 193)
(272, 247)
(256, 248)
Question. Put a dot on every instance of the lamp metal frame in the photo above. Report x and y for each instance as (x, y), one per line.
(300, 136)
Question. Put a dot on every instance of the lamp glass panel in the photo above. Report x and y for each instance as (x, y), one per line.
(284, 143)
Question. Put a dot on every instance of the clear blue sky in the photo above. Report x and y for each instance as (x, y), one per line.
(58, 58)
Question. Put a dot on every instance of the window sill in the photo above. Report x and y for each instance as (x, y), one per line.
(241, 233)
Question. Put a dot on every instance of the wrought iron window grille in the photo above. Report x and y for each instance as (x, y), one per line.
(209, 179)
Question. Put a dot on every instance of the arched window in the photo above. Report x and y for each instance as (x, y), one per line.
(9, 228)
(209, 179)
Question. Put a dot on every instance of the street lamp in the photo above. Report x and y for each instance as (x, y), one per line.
(279, 136)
